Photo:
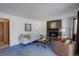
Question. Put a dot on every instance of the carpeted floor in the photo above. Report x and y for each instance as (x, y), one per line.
(27, 50)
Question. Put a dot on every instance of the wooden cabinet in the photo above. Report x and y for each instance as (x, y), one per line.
(53, 26)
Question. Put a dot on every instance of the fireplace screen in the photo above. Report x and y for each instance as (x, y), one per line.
(53, 34)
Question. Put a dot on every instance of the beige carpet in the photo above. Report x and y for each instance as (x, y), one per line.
(3, 45)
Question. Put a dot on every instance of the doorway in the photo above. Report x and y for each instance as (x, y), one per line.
(4, 33)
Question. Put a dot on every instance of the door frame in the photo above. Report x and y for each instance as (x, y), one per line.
(3, 20)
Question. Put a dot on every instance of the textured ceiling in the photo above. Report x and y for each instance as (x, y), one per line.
(37, 10)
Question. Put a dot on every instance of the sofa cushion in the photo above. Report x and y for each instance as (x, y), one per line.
(28, 36)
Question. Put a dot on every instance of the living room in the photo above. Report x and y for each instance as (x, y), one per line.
(30, 21)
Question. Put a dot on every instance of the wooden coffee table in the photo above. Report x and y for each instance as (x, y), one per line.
(43, 42)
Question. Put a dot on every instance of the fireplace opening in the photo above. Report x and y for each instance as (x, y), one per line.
(53, 34)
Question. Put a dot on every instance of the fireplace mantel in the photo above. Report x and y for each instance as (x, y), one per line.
(54, 27)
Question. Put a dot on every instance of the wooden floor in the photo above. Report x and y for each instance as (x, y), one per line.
(3, 45)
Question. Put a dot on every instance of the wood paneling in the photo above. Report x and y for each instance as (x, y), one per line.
(4, 30)
(58, 24)
(1, 32)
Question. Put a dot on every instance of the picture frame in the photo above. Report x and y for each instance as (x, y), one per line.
(53, 25)
(27, 27)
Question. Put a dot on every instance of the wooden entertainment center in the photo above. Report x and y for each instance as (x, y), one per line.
(53, 27)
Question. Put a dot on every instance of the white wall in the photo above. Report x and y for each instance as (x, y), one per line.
(67, 24)
(43, 27)
(75, 26)
(17, 27)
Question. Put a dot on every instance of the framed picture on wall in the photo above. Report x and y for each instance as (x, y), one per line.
(27, 27)
(53, 25)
